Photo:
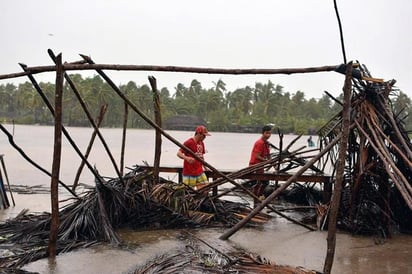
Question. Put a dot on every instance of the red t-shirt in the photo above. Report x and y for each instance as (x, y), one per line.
(261, 147)
(196, 168)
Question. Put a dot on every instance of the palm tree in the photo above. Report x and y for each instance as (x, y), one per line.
(7, 92)
(263, 99)
(220, 86)
(239, 104)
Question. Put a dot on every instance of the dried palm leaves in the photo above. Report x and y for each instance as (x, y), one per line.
(378, 162)
(201, 257)
(134, 202)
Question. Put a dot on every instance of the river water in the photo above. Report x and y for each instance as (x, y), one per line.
(279, 241)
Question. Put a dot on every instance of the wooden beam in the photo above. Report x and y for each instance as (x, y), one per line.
(253, 176)
(76, 66)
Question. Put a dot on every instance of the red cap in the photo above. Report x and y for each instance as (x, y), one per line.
(202, 130)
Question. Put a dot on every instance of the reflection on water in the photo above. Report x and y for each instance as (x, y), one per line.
(279, 241)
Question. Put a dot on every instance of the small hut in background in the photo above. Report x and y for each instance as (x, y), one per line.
(184, 122)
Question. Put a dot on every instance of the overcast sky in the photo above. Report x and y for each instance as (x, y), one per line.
(215, 34)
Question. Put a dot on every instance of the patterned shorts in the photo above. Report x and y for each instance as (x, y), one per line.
(195, 180)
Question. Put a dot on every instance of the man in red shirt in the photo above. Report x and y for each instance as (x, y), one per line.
(193, 172)
(261, 153)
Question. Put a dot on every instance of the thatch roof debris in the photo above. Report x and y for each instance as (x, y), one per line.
(201, 257)
(378, 169)
(135, 202)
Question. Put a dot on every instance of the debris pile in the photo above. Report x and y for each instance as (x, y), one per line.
(135, 202)
(201, 257)
(377, 191)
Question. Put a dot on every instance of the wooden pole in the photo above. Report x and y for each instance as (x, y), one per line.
(89, 147)
(54, 224)
(52, 111)
(4, 201)
(274, 194)
(395, 128)
(24, 155)
(158, 121)
(280, 154)
(154, 125)
(72, 66)
(89, 116)
(343, 147)
(124, 131)
(7, 178)
(400, 181)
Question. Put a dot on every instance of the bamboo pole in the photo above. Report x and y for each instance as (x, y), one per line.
(343, 147)
(54, 190)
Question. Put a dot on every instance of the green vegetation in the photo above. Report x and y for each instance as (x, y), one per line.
(223, 110)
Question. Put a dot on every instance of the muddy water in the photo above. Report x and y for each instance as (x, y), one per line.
(280, 241)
